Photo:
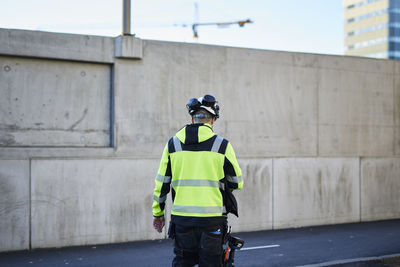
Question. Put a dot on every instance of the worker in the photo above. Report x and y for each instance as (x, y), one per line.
(202, 169)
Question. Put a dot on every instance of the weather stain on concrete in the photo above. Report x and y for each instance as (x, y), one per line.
(9, 201)
(7, 140)
(8, 127)
(79, 121)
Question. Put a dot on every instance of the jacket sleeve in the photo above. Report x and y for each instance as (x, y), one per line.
(162, 184)
(233, 173)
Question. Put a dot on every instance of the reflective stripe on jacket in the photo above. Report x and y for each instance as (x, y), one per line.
(195, 163)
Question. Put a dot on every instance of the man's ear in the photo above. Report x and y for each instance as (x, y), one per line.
(212, 121)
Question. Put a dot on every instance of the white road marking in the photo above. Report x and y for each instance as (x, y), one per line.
(260, 247)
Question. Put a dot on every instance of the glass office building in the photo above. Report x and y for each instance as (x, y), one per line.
(372, 28)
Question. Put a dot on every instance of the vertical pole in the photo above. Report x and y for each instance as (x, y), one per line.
(126, 17)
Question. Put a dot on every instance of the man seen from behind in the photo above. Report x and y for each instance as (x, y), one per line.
(201, 170)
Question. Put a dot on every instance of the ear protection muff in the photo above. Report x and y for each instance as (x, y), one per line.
(207, 102)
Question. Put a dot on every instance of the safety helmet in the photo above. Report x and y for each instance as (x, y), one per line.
(207, 102)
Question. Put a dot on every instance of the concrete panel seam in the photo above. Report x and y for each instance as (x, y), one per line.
(116, 136)
(91, 158)
(272, 195)
(55, 147)
(30, 205)
(317, 110)
(394, 110)
(61, 59)
(326, 68)
(320, 157)
(51, 152)
(354, 70)
(359, 186)
(112, 106)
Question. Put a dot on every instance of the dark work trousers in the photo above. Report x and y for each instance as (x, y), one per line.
(198, 245)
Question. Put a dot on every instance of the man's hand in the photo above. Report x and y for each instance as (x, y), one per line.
(158, 223)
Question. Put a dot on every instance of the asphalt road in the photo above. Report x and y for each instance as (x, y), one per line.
(343, 245)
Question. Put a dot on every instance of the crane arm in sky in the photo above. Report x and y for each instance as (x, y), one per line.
(241, 23)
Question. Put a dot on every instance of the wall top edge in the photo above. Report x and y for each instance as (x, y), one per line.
(216, 46)
(274, 57)
(49, 45)
(102, 49)
(15, 35)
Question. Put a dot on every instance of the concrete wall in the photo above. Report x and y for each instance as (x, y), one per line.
(14, 204)
(397, 111)
(53, 103)
(312, 191)
(380, 187)
(78, 202)
(84, 119)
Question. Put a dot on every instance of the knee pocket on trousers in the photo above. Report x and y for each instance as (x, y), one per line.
(211, 244)
(184, 253)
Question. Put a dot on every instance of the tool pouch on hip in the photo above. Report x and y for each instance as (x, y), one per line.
(171, 230)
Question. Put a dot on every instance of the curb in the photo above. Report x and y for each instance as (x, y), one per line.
(391, 260)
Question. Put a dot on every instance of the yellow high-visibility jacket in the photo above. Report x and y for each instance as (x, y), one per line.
(198, 165)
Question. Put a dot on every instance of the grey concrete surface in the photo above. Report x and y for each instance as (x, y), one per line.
(53, 103)
(397, 109)
(89, 111)
(338, 245)
(14, 205)
(57, 45)
(255, 208)
(77, 202)
(143, 126)
(315, 191)
(284, 123)
(355, 109)
(380, 187)
(311, 105)
(127, 46)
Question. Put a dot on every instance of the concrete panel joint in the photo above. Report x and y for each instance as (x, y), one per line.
(128, 47)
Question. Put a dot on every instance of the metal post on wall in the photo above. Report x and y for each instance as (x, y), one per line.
(126, 17)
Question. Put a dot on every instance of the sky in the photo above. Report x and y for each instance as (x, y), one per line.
(310, 26)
